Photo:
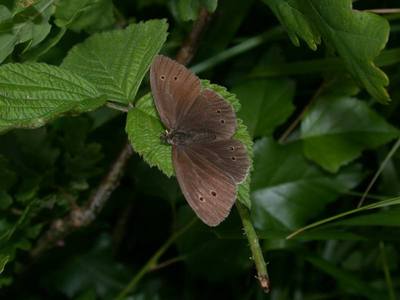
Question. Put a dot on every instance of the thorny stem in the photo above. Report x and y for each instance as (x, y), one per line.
(261, 266)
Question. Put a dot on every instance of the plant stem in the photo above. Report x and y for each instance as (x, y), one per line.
(379, 171)
(152, 262)
(262, 273)
(117, 107)
(387, 202)
(238, 49)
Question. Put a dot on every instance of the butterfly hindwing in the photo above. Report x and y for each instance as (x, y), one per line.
(210, 192)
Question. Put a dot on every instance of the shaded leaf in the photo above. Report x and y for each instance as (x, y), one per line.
(3, 261)
(188, 10)
(290, 14)
(7, 37)
(5, 200)
(265, 104)
(337, 129)
(94, 269)
(33, 94)
(287, 191)
(89, 15)
(348, 280)
(357, 37)
(116, 61)
(28, 24)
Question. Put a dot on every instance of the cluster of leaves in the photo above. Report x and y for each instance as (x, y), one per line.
(327, 83)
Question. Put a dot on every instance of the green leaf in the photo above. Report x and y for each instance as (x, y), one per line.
(92, 269)
(33, 94)
(266, 103)
(188, 10)
(116, 61)
(32, 22)
(348, 280)
(29, 24)
(7, 38)
(356, 36)
(379, 204)
(7, 175)
(337, 129)
(5, 200)
(287, 190)
(295, 21)
(145, 129)
(89, 15)
(3, 261)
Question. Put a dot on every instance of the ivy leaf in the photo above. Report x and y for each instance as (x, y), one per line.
(337, 129)
(144, 130)
(357, 37)
(33, 94)
(116, 61)
(91, 15)
(287, 190)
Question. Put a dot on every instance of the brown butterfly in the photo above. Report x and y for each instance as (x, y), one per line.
(208, 163)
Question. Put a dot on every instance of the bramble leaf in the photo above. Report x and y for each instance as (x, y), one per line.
(116, 61)
(33, 94)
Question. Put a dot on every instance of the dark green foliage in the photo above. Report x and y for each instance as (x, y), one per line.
(315, 85)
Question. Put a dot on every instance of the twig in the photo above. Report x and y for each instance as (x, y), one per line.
(190, 45)
(379, 171)
(384, 10)
(152, 262)
(262, 273)
(83, 216)
(300, 117)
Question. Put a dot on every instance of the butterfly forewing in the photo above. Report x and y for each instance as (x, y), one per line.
(210, 192)
(174, 89)
(211, 113)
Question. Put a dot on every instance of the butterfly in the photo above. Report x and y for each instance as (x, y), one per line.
(208, 162)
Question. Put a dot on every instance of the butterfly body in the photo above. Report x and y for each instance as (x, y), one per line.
(209, 163)
(181, 138)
